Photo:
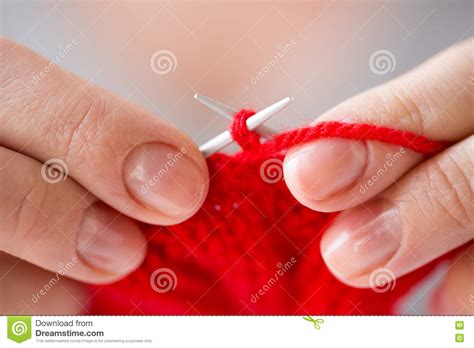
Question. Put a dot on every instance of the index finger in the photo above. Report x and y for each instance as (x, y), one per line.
(135, 162)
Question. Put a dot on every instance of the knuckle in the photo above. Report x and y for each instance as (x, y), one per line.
(408, 110)
(394, 106)
(30, 212)
(23, 213)
(451, 189)
(77, 133)
(33, 208)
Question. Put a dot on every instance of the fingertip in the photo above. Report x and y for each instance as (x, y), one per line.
(111, 244)
(166, 179)
(361, 241)
(320, 170)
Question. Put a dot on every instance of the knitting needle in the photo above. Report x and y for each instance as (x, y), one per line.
(225, 138)
(229, 112)
(222, 109)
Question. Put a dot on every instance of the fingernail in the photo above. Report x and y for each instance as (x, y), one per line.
(109, 241)
(327, 166)
(164, 178)
(362, 239)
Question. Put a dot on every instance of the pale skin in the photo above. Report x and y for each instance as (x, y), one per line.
(412, 212)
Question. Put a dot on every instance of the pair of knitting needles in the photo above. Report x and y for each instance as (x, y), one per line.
(253, 123)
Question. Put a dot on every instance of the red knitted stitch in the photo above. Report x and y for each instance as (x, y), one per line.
(241, 134)
(235, 256)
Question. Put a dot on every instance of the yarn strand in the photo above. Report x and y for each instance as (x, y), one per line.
(279, 144)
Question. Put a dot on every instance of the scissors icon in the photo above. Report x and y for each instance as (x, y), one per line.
(316, 322)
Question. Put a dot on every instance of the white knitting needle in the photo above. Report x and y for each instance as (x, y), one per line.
(225, 138)
(222, 109)
(229, 113)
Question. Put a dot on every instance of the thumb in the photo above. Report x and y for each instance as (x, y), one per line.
(434, 100)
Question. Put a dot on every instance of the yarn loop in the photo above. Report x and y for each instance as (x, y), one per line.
(242, 135)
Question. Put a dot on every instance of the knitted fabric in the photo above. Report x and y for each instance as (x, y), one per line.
(252, 248)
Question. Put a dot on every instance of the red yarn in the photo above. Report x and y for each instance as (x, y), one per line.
(252, 248)
(242, 135)
(282, 142)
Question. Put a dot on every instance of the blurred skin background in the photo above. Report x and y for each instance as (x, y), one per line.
(243, 54)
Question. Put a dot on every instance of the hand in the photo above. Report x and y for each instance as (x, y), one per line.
(400, 209)
(123, 165)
